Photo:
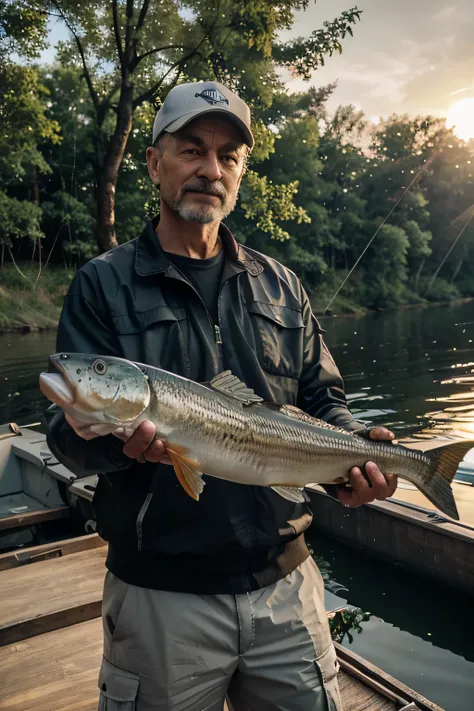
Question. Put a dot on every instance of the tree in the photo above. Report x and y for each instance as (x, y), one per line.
(23, 124)
(133, 52)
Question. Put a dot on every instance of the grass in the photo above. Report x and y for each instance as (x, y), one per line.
(25, 307)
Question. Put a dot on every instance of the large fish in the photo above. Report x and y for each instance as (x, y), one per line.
(224, 429)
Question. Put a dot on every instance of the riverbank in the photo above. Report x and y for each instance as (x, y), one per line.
(362, 311)
(25, 306)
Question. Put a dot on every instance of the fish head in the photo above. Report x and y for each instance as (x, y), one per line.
(96, 389)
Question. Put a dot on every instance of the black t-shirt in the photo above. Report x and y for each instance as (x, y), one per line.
(204, 275)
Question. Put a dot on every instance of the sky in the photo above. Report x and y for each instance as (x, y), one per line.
(406, 56)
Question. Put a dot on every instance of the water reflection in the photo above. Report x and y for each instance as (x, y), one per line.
(22, 358)
(412, 371)
(400, 361)
(408, 626)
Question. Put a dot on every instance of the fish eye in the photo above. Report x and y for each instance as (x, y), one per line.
(99, 367)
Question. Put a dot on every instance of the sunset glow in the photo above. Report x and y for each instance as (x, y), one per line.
(461, 117)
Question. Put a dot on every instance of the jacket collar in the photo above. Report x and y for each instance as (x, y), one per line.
(151, 259)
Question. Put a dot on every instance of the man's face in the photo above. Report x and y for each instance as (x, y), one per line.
(199, 169)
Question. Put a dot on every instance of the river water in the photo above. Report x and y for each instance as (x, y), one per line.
(411, 370)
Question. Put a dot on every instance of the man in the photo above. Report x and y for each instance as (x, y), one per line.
(217, 598)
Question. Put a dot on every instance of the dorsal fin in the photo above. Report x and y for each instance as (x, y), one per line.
(230, 384)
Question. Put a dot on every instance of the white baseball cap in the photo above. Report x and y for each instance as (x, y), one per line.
(186, 102)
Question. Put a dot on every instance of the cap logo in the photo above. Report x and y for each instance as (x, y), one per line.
(213, 96)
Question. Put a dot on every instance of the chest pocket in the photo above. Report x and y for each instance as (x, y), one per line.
(278, 334)
(156, 337)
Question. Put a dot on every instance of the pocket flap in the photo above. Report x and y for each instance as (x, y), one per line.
(117, 684)
(140, 320)
(282, 315)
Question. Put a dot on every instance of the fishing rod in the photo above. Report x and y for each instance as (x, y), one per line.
(404, 194)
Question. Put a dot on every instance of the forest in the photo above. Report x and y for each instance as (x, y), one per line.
(324, 192)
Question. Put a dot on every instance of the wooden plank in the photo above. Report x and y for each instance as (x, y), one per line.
(29, 518)
(59, 671)
(15, 559)
(57, 593)
(373, 675)
(358, 697)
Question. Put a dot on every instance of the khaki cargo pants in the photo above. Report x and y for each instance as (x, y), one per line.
(268, 650)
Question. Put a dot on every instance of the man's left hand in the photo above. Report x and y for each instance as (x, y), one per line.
(375, 485)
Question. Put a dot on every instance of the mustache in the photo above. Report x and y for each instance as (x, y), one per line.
(207, 188)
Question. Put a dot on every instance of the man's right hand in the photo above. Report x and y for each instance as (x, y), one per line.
(141, 445)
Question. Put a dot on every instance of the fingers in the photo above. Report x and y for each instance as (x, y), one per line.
(143, 446)
(380, 488)
(381, 433)
(140, 440)
(392, 483)
(365, 489)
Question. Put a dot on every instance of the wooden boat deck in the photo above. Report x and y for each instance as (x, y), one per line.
(51, 594)
(58, 670)
(51, 637)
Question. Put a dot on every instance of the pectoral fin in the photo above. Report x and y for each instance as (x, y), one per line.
(187, 471)
(291, 493)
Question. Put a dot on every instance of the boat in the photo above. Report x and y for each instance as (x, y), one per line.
(407, 529)
(51, 636)
(37, 492)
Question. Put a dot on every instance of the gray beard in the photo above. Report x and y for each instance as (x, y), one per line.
(202, 214)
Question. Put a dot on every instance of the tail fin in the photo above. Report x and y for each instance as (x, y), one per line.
(444, 462)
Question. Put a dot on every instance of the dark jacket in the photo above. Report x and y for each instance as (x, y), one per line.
(132, 302)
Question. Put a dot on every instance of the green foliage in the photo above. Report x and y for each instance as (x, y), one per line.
(18, 218)
(22, 28)
(438, 290)
(266, 203)
(322, 193)
(24, 125)
(302, 57)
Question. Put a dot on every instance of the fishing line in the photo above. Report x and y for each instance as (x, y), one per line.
(463, 229)
(407, 190)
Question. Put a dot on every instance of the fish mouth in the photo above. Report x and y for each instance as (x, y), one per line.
(56, 389)
(56, 384)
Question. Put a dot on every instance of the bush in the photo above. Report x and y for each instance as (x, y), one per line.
(439, 291)
(22, 306)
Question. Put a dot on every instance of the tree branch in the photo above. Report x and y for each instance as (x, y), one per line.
(118, 39)
(87, 76)
(139, 58)
(141, 17)
(128, 27)
(150, 93)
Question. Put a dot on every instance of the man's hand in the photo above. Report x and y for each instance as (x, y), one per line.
(361, 491)
(141, 445)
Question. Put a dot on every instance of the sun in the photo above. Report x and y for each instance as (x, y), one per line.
(461, 117)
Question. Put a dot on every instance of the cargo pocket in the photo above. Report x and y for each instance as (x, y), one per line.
(118, 688)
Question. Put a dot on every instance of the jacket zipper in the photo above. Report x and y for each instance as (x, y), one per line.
(215, 327)
(220, 355)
